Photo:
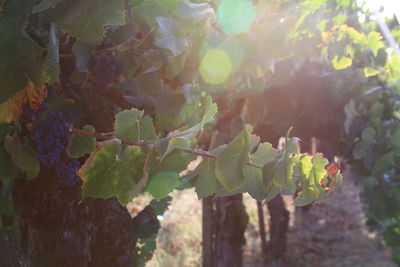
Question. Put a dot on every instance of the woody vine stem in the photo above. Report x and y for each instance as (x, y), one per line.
(102, 137)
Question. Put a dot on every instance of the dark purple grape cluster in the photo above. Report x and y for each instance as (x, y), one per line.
(51, 138)
(105, 68)
(66, 169)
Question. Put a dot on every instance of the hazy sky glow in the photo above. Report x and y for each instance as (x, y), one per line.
(390, 6)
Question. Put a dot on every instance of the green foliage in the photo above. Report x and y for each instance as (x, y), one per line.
(162, 183)
(162, 110)
(131, 125)
(22, 155)
(230, 163)
(86, 19)
(146, 237)
(112, 171)
(20, 58)
(81, 145)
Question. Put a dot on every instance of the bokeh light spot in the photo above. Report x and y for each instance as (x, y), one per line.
(236, 16)
(215, 66)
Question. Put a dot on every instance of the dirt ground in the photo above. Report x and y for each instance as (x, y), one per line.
(331, 234)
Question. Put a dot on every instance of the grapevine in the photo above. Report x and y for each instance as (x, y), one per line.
(139, 89)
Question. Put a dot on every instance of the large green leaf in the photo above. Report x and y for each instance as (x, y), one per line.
(206, 182)
(21, 59)
(230, 163)
(150, 10)
(162, 183)
(85, 19)
(182, 139)
(362, 148)
(131, 125)
(255, 184)
(81, 145)
(23, 156)
(171, 36)
(112, 171)
(283, 173)
(8, 172)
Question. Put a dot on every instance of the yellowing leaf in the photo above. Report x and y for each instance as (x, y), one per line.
(342, 63)
(12, 108)
(368, 71)
(374, 42)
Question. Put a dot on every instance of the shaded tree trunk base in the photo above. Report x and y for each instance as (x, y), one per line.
(226, 239)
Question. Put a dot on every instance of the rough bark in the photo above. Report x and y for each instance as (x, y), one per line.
(263, 235)
(61, 229)
(279, 224)
(229, 222)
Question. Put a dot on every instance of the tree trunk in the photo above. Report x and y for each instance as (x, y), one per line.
(226, 239)
(263, 235)
(207, 231)
(61, 229)
(279, 224)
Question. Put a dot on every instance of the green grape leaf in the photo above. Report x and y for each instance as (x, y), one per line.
(265, 153)
(206, 182)
(374, 42)
(171, 36)
(112, 171)
(231, 161)
(152, 9)
(83, 53)
(21, 59)
(303, 200)
(166, 146)
(81, 145)
(312, 170)
(283, 173)
(162, 183)
(255, 184)
(376, 110)
(368, 135)
(8, 171)
(342, 63)
(85, 19)
(383, 164)
(182, 139)
(23, 156)
(45, 4)
(176, 161)
(131, 125)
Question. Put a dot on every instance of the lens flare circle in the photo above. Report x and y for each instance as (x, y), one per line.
(215, 66)
(236, 16)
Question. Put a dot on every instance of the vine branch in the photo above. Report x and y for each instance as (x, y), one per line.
(197, 152)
